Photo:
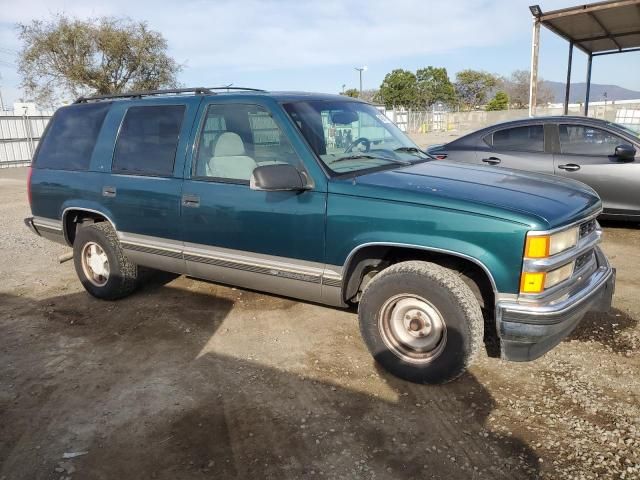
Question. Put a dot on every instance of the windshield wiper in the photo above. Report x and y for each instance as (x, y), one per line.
(410, 150)
(373, 157)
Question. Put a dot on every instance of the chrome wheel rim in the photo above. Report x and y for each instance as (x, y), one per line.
(412, 328)
(95, 264)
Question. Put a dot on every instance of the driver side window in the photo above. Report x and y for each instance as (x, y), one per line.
(584, 140)
(235, 139)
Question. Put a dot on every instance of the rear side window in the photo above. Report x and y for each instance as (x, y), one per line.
(70, 138)
(148, 140)
(522, 139)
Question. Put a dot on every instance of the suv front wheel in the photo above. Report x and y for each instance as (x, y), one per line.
(104, 270)
(421, 322)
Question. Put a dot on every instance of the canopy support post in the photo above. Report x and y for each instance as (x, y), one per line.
(568, 85)
(533, 79)
(586, 97)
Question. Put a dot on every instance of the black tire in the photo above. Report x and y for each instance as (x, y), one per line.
(122, 279)
(432, 286)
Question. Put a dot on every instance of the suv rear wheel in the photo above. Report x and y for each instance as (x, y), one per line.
(421, 322)
(104, 270)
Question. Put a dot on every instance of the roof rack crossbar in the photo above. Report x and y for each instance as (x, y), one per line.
(147, 93)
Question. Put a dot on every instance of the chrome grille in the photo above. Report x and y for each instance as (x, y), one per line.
(582, 260)
(587, 227)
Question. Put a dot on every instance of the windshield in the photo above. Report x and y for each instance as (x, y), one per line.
(351, 136)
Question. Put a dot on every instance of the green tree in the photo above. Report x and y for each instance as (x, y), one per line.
(499, 102)
(434, 86)
(473, 86)
(399, 89)
(67, 56)
(351, 92)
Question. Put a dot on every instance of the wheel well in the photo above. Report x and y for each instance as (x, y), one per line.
(74, 219)
(369, 261)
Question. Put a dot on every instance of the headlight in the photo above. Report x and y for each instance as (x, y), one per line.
(537, 282)
(554, 277)
(541, 246)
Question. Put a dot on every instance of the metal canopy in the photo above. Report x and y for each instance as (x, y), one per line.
(599, 27)
(602, 28)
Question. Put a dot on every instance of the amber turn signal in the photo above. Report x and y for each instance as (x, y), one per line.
(537, 247)
(532, 282)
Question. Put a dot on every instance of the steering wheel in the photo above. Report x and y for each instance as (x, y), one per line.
(363, 141)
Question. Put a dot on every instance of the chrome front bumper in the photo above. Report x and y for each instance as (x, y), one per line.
(528, 330)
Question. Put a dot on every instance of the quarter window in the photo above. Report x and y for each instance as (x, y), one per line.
(529, 138)
(235, 139)
(584, 140)
(69, 142)
(148, 140)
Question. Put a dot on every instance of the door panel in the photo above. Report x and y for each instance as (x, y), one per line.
(587, 155)
(521, 148)
(143, 190)
(270, 241)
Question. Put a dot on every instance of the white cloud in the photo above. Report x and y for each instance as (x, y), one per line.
(256, 34)
(290, 34)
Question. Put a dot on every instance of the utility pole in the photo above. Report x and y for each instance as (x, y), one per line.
(360, 70)
(1, 102)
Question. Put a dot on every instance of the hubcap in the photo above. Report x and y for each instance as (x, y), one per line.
(412, 328)
(95, 264)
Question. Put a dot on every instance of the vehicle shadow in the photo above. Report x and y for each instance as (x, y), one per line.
(605, 328)
(131, 383)
(620, 224)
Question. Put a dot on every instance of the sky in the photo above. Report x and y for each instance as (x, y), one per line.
(315, 45)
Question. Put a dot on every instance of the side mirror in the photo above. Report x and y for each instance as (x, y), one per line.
(280, 177)
(625, 153)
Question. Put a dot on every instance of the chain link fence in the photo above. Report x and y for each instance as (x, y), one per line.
(626, 113)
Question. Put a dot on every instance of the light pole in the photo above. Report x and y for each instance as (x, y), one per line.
(360, 70)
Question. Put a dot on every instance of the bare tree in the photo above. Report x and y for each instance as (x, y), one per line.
(517, 88)
(371, 96)
(75, 57)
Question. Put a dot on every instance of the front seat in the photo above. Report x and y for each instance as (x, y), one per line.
(229, 158)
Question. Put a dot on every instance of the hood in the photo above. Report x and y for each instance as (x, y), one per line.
(543, 201)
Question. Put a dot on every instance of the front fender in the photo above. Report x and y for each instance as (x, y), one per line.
(494, 244)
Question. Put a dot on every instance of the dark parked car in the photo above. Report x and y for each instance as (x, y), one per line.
(602, 154)
(251, 188)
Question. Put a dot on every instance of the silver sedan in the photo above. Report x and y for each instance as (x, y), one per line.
(602, 154)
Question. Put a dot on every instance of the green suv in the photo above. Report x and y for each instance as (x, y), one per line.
(322, 198)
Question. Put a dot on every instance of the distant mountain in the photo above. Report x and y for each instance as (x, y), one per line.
(578, 90)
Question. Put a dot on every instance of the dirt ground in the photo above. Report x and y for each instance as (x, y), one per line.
(187, 379)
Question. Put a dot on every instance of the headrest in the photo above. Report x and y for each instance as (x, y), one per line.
(228, 144)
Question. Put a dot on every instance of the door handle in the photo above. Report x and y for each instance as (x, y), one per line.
(569, 167)
(108, 191)
(192, 201)
(492, 160)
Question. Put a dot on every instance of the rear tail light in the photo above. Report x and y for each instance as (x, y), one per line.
(29, 173)
(440, 156)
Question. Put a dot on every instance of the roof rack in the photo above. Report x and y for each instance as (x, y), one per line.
(237, 88)
(147, 93)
